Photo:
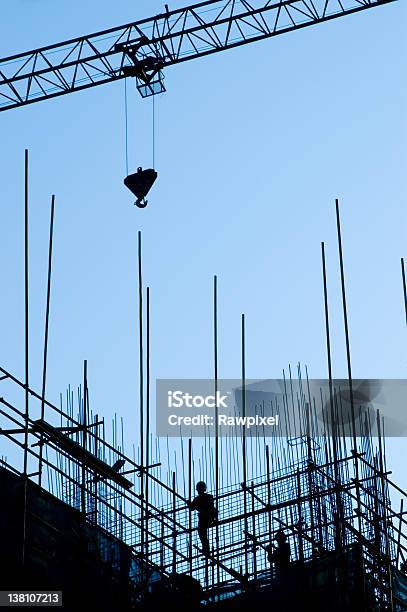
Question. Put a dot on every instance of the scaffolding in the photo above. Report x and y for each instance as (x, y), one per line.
(328, 490)
(330, 497)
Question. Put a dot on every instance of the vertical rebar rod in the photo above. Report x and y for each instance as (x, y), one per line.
(174, 533)
(338, 536)
(147, 413)
(328, 340)
(345, 321)
(403, 276)
(44, 365)
(348, 359)
(269, 516)
(384, 510)
(190, 501)
(162, 535)
(96, 450)
(399, 533)
(311, 493)
(26, 314)
(140, 292)
(244, 458)
(215, 363)
(300, 519)
(254, 549)
(84, 440)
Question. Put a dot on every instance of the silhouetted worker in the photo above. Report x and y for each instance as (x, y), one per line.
(207, 514)
(377, 531)
(280, 554)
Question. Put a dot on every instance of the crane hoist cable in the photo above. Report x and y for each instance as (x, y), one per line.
(126, 128)
(140, 182)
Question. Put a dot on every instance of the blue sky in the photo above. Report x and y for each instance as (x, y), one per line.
(252, 147)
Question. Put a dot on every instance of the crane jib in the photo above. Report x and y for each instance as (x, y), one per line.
(142, 49)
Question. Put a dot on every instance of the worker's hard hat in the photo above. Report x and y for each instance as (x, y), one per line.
(201, 486)
(280, 535)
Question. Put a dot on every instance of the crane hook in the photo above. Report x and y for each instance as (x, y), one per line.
(140, 184)
(141, 203)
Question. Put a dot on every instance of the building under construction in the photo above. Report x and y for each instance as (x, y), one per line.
(116, 529)
(305, 518)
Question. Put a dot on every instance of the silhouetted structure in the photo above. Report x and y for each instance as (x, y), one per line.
(205, 506)
(143, 48)
(339, 543)
(79, 513)
(279, 555)
(140, 184)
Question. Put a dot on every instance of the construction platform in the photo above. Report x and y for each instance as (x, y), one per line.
(73, 518)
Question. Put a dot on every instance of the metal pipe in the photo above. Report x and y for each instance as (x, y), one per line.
(147, 488)
(190, 500)
(215, 361)
(140, 293)
(174, 532)
(44, 366)
(26, 313)
(244, 458)
(403, 276)
(345, 321)
(339, 509)
(84, 439)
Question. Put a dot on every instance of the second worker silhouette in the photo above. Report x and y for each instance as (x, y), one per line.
(204, 504)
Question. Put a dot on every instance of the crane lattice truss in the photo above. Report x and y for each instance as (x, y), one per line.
(143, 48)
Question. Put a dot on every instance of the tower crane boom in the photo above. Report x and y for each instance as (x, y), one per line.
(144, 48)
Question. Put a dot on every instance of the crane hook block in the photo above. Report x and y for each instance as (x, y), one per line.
(140, 184)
